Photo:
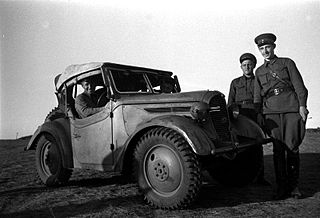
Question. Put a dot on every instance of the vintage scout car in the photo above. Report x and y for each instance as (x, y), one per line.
(163, 141)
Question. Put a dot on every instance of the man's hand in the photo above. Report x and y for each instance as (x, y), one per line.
(303, 113)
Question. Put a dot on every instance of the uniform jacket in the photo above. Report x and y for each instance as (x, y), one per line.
(288, 101)
(86, 105)
(241, 89)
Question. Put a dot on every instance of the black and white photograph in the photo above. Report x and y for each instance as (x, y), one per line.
(159, 108)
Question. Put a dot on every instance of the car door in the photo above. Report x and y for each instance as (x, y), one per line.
(92, 140)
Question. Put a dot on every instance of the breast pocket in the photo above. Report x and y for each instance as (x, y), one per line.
(263, 79)
(240, 92)
(284, 74)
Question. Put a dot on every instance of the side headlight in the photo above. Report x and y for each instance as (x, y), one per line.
(199, 111)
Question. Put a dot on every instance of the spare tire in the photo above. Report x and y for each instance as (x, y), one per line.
(54, 114)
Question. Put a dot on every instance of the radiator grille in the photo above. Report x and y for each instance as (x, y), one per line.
(220, 117)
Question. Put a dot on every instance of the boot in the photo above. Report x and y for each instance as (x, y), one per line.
(296, 194)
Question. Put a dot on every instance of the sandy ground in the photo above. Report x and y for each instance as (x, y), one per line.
(96, 194)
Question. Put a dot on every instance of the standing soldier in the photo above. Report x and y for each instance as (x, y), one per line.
(281, 95)
(241, 94)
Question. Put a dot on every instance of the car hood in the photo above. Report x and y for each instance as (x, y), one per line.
(183, 97)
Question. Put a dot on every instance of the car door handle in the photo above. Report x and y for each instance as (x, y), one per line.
(75, 135)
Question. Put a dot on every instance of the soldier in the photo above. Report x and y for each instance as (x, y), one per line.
(241, 88)
(241, 94)
(282, 96)
(86, 103)
(167, 85)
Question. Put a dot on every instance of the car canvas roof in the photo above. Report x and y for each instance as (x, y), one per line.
(75, 70)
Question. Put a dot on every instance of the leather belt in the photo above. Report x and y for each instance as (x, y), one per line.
(245, 102)
(277, 91)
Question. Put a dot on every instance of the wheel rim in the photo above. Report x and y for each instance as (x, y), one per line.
(163, 170)
(49, 158)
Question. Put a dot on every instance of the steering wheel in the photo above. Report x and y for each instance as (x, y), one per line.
(102, 99)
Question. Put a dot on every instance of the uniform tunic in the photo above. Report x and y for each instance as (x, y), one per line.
(288, 101)
(241, 93)
(241, 89)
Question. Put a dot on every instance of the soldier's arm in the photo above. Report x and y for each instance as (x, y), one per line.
(297, 82)
(257, 98)
(85, 107)
(299, 88)
(232, 94)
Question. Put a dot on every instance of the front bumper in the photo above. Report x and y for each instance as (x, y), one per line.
(236, 147)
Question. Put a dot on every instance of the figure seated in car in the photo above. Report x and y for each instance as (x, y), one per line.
(167, 86)
(87, 103)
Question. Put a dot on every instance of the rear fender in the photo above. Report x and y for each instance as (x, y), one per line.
(60, 130)
(196, 137)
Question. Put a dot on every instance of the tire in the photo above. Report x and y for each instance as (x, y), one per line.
(167, 171)
(240, 171)
(54, 114)
(49, 162)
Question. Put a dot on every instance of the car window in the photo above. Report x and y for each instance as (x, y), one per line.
(158, 81)
(127, 81)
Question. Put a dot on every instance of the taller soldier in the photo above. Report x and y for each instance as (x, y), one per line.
(282, 97)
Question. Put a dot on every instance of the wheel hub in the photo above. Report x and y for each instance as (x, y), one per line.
(161, 170)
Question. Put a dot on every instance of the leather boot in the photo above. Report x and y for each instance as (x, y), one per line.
(296, 194)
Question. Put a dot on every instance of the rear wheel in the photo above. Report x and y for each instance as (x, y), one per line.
(167, 171)
(49, 162)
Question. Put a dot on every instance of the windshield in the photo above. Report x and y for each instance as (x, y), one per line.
(141, 82)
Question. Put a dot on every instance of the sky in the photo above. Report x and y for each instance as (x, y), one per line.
(199, 41)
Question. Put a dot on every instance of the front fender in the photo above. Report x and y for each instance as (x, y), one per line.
(60, 130)
(243, 126)
(198, 140)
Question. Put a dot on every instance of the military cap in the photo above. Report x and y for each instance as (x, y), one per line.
(265, 38)
(248, 56)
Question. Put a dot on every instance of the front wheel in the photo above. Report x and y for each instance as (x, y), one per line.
(49, 162)
(167, 171)
(54, 114)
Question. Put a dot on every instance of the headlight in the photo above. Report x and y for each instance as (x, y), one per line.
(199, 111)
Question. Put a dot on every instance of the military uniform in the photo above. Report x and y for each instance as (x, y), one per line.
(241, 93)
(280, 90)
(86, 105)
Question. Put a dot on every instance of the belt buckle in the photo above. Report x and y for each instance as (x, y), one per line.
(276, 91)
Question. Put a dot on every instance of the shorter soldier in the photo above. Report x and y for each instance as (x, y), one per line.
(282, 96)
(241, 94)
(241, 88)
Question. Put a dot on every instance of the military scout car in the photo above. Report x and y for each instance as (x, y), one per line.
(164, 140)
